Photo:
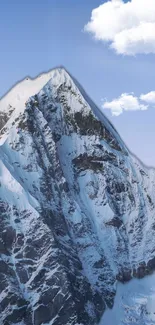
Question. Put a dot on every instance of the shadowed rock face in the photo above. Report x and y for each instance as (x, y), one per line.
(3, 119)
(76, 209)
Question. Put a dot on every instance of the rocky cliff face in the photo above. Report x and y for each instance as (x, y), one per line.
(77, 209)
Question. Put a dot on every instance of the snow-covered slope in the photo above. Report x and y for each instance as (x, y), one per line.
(134, 303)
(23, 90)
(76, 208)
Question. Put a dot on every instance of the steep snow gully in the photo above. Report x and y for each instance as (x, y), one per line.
(77, 212)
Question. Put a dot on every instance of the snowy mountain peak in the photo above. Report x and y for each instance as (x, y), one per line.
(22, 91)
(55, 87)
(76, 208)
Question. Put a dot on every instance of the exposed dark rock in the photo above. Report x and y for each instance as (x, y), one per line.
(83, 162)
(17, 315)
(115, 222)
(3, 119)
(42, 315)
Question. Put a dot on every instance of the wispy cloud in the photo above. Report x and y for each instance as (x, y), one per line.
(126, 102)
(129, 27)
(148, 98)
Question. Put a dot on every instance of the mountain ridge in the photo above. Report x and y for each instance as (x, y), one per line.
(61, 67)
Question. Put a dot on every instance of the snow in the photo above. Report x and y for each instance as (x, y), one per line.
(134, 303)
(27, 88)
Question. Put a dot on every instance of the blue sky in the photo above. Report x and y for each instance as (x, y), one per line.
(36, 36)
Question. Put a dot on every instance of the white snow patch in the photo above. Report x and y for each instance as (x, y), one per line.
(134, 303)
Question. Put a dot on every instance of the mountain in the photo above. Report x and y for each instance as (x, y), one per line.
(77, 208)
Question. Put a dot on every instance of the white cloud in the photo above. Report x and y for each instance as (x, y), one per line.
(128, 27)
(148, 98)
(126, 102)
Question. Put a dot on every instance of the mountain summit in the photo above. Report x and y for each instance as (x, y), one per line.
(76, 207)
